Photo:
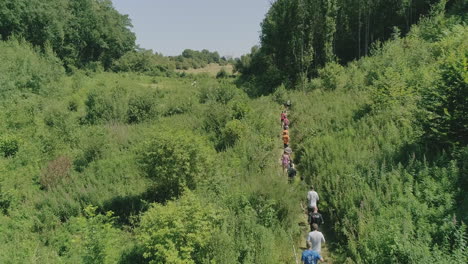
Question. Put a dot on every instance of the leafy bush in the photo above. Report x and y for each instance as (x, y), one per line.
(175, 160)
(141, 108)
(9, 145)
(221, 93)
(91, 238)
(107, 105)
(332, 76)
(222, 74)
(23, 69)
(232, 132)
(280, 95)
(179, 232)
(240, 110)
(5, 200)
(144, 61)
(445, 103)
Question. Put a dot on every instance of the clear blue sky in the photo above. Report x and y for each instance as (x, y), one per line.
(230, 27)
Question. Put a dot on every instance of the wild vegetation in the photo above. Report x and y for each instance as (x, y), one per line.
(109, 156)
(384, 139)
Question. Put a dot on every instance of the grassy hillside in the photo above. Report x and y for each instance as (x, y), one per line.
(387, 152)
(84, 157)
(100, 167)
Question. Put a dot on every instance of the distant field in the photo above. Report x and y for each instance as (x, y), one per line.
(212, 69)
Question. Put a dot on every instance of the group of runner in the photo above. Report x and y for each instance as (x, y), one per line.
(315, 238)
(286, 160)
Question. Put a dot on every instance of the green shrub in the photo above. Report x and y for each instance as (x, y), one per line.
(5, 200)
(179, 232)
(23, 69)
(232, 132)
(141, 108)
(221, 93)
(9, 145)
(240, 110)
(222, 74)
(332, 76)
(175, 160)
(107, 105)
(280, 95)
(445, 103)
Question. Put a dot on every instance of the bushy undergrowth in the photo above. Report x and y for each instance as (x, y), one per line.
(98, 167)
(382, 144)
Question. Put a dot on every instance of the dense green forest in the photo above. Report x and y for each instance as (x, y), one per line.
(107, 155)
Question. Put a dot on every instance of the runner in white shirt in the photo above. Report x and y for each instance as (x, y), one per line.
(312, 199)
(316, 238)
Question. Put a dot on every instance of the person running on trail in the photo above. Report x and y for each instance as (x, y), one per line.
(283, 116)
(310, 256)
(316, 238)
(291, 172)
(286, 121)
(315, 218)
(285, 139)
(312, 199)
(285, 160)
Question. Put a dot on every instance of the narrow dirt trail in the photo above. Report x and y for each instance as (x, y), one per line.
(300, 244)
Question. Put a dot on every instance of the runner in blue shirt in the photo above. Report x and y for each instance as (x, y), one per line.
(309, 256)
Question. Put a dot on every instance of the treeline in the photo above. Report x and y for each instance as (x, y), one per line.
(90, 34)
(80, 32)
(299, 37)
(199, 59)
(148, 62)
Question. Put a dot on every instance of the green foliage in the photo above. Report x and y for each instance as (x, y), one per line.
(332, 76)
(25, 70)
(392, 196)
(220, 93)
(222, 74)
(280, 95)
(5, 201)
(9, 145)
(142, 107)
(232, 132)
(55, 172)
(107, 105)
(144, 61)
(179, 232)
(445, 103)
(79, 32)
(175, 161)
(91, 238)
(196, 59)
(299, 37)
